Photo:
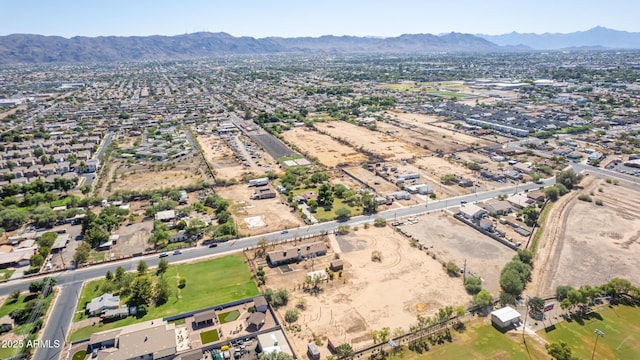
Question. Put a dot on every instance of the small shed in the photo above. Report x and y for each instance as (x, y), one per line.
(505, 318)
(336, 265)
(204, 318)
(260, 303)
(256, 320)
(313, 351)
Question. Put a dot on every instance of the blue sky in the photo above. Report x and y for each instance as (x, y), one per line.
(262, 18)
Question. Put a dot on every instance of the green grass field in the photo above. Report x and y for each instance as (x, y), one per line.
(209, 336)
(209, 283)
(20, 330)
(6, 273)
(80, 355)
(621, 327)
(481, 341)
(229, 316)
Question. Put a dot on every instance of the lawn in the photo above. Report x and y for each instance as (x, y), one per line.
(63, 201)
(6, 273)
(229, 316)
(621, 327)
(322, 215)
(209, 283)
(209, 336)
(7, 307)
(80, 355)
(480, 340)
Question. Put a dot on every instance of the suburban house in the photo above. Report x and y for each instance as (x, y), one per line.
(498, 207)
(16, 258)
(154, 339)
(295, 254)
(274, 341)
(181, 235)
(105, 302)
(472, 211)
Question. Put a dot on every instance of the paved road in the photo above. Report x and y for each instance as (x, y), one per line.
(59, 321)
(91, 177)
(70, 281)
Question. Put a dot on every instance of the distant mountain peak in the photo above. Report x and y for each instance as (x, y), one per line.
(596, 37)
(24, 48)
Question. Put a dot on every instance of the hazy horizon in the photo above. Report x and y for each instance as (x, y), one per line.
(290, 18)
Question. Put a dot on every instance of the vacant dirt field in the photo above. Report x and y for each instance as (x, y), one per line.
(272, 212)
(451, 240)
(382, 186)
(327, 150)
(369, 295)
(385, 146)
(596, 243)
(425, 124)
(142, 177)
(224, 161)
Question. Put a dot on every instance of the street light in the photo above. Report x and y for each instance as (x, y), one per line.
(598, 333)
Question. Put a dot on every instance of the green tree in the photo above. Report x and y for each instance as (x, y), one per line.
(141, 291)
(182, 282)
(530, 215)
(559, 350)
(369, 203)
(568, 178)
(535, 305)
(325, 196)
(562, 291)
(11, 218)
(43, 216)
(142, 268)
(525, 255)
(473, 284)
(163, 265)
(380, 336)
(344, 351)
(552, 193)
(47, 239)
(36, 261)
(291, 315)
(343, 213)
(511, 282)
(82, 253)
(473, 166)
(482, 299)
(275, 355)
(319, 177)
(339, 190)
(109, 276)
(448, 179)
(162, 291)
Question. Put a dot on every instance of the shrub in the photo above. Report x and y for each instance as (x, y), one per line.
(452, 269)
(376, 255)
(380, 222)
(473, 284)
(291, 315)
(584, 197)
(599, 202)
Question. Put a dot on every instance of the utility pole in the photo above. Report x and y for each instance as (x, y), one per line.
(599, 334)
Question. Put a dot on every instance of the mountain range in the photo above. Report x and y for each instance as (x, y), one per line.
(26, 48)
(595, 38)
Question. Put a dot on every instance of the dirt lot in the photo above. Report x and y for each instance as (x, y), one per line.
(370, 295)
(385, 146)
(451, 240)
(145, 176)
(440, 135)
(382, 186)
(327, 150)
(226, 166)
(593, 243)
(249, 213)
